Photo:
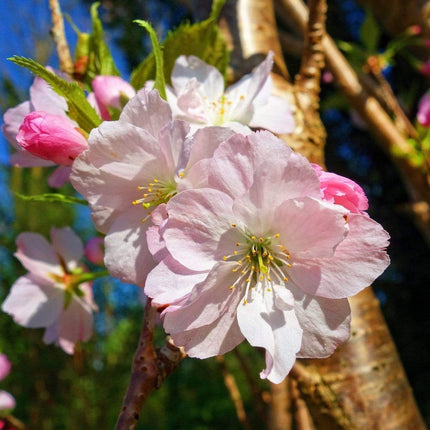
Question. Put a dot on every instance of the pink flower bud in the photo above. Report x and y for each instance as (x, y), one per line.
(341, 191)
(51, 137)
(108, 91)
(423, 114)
(414, 30)
(94, 250)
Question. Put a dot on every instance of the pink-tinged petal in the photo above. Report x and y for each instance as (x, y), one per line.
(67, 245)
(341, 191)
(75, 324)
(192, 104)
(6, 401)
(244, 92)
(33, 305)
(357, 262)
(217, 338)
(155, 241)
(126, 252)
(231, 169)
(147, 110)
(120, 158)
(44, 98)
(51, 137)
(325, 323)
(276, 115)
(109, 89)
(23, 158)
(277, 331)
(209, 77)
(309, 227)
(198, 218)
(5, 366)
(171, 140)
(38, 256)
(60, 176)
(13, 119)
(169, 281)
(207, 302)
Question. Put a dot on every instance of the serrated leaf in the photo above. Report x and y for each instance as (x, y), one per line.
(160, 83)
(370, 33)
(204, 40)
(52, 197)
(79, 108)
(101, 60)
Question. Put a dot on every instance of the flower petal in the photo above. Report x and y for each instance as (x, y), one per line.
(148, 111)
(38, 256)
(33, 305)
(6, 401)
(197, 220)
(360, 258)
(277, 331)
(5, 366)
(126, 252)
(68, 245)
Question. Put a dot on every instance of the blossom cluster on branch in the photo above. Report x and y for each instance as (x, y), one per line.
(232, 234)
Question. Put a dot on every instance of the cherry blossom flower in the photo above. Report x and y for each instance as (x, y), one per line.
(42, 98)
(133, 165)
(423, 114)
(109, 92)
(6, 400)
(269, 260)
(342, 191)
(51, 137)
(198, 97)
(51, 295)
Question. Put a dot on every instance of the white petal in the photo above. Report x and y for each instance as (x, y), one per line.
(33, 305)
(278, 332)
(68, 245)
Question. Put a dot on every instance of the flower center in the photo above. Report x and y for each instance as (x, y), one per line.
(261, 262)
(155, 193)
(219, 110)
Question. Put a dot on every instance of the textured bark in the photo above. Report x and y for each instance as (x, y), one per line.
(363, 385)
(149, 369)
(280, 416)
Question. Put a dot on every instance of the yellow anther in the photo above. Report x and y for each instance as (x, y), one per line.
(231, 287)
(242, 97)
(270, 257)
(269, 290)
(224, 258)
(155, 180)
(181, 175)
(145, 196)
(234, 270)
(235, 252)
(239, 261)
(277, 235)
(261, 239)
(253, 238)
(242, 272)
(247, 280)
(269, 278)
(285, 279)
(150, 190)
(233, 224)
(245, 301)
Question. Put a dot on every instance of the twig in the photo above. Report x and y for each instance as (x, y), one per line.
(149, 369)
(58, 34)
(279, 416)
(301, 414)
(234, 392)
(308, 79)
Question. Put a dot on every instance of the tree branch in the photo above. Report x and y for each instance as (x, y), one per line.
(57, 31)
(149, 369)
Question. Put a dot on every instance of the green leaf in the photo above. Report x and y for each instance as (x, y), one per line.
(79, 108)
(101, 60)
(204, 40)
(160, 83)
(52, 197)
(370, 33)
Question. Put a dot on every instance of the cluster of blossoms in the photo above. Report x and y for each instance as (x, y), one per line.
(232, 234)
